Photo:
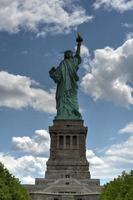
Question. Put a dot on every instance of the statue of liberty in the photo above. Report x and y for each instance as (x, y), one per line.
(65, 76)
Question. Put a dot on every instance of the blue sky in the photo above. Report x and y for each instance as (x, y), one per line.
(33, 35)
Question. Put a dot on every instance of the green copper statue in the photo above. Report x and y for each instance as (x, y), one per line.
(65, 76)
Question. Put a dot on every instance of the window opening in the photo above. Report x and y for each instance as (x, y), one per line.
(74, 140)
(61, 143)
(67, 141)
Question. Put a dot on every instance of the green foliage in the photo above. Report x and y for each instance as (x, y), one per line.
(120, 188)
(10, 187)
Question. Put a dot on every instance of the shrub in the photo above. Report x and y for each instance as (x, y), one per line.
(120, 188)
(10, 187)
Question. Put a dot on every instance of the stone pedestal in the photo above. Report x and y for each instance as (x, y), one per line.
(67, 175)
(67, 152)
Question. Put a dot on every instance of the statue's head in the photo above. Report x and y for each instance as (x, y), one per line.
(68, 54)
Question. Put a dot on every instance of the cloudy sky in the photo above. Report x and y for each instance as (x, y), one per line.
(33, 35)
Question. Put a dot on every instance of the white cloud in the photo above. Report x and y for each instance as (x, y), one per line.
(26, 168)
(111, 78)
(24, 52)
(115, 159)
(31, 166)
(36, 145)
(85, 57)
(122, 152)
(127, 25)
(119, 5)
(41, 16)
(20, 92)
(93, 159)
(127, 129)
(129, 35)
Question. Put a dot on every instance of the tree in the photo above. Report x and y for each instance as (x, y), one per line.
(120, 188)
(10, 187)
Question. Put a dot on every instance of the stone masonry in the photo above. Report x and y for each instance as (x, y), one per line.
(67, 175)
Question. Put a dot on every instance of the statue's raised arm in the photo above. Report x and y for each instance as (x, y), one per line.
(79, 40)
(65, 75)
